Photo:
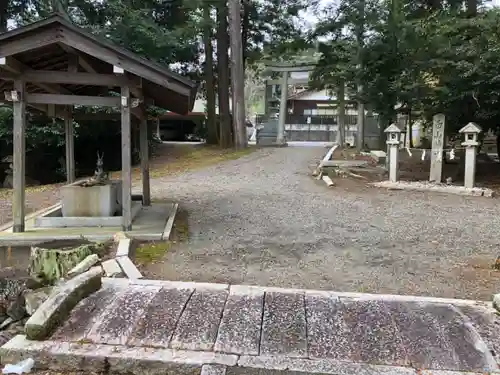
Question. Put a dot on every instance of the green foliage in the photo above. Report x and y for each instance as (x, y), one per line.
(426, 57)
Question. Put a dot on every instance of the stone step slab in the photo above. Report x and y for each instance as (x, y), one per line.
(240, 328)
(284, 325)
(156, 327)
(259, 323)
(199, 323)
(327, 332)
(117, 322)
(86, 314)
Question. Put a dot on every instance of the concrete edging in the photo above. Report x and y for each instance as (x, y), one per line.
(122, 257)
(60, 303)
(114, 358)
(170, 223)
(65, 356)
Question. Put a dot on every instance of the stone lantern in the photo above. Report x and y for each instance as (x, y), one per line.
(393, 143)
(471, 132)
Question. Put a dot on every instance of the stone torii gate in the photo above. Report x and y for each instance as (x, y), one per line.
(285, 69)
(52, 65)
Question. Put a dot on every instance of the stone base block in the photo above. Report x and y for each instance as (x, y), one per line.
(93, 201)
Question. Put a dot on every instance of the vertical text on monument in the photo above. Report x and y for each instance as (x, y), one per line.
(438, 126)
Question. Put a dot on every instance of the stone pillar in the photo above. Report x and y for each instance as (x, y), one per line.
(19, 156)
(126, 160)
(280, 139)
(393, 143)
(471, 131)
(268, 94)
(438, 126)
(144, 147)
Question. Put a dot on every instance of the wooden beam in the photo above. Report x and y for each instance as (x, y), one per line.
(111, 57)
(104, 101)
(98, 116)
(19, 156)
(17, 68)
(28, 43)
(126, 160)
(82, 61)
(144, 150)
(295, 81)
(75, 78)
(307, 68)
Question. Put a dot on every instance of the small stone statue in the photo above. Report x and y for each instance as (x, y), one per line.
(99, 177)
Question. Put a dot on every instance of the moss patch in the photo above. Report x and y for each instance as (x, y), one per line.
(151, 252)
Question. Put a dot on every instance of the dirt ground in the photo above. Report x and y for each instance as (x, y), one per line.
(263, 220)
(168, 160)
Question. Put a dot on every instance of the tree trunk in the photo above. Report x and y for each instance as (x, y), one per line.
(360, 31)
(410, 129)
(471, 8)
(4, 15)
(245, 26)
(209, 76)
(225, 139)
(237, 74)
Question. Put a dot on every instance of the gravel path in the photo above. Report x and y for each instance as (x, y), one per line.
(263, 220)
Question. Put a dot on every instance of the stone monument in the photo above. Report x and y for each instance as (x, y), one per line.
(438, 126)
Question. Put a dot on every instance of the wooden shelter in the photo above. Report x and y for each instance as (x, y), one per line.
(52, 65)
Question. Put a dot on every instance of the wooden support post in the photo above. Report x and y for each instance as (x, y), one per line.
(158, 133)
(69, 128)
(146, 191)
(126, 160)
(70, 146)
(19, 156)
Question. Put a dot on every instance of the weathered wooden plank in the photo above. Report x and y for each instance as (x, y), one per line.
(157, 325)
(239, 331)
(126, 161)
(144, 146)
(17, 69)
(198, 325)
(284, 325)
(105, 101)
(75, 78)
(19, 157)
(119, 319)
(70, 148)
(88, 46)
(307, 68)
(28, 43)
